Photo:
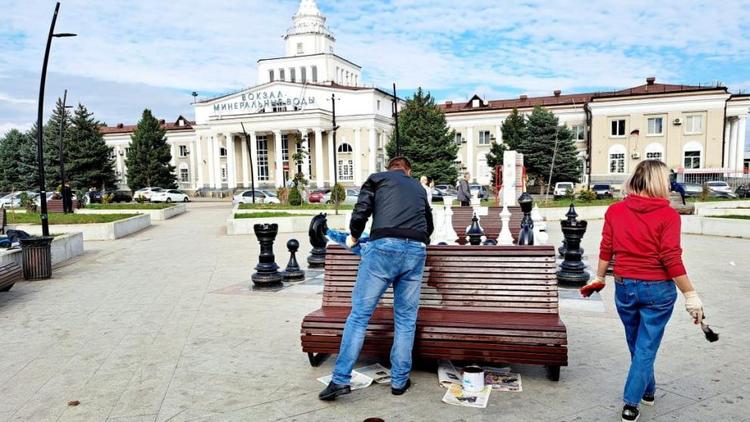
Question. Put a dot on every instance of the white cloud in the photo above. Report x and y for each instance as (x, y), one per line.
(8, 126)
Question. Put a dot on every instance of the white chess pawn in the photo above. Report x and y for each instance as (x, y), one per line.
(439, 234)
(451, 237)
(505, 238)
(540, 227)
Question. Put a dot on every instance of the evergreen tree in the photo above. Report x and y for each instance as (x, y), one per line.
(88, 159)
(17, 161)
(538, 148)
(514, 130)
(52, 144)
(426, 140)
(149, 155)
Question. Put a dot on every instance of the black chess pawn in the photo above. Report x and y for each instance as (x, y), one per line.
(293, 271)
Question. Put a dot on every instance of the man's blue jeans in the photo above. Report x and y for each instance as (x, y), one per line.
(384, 262)
(645, 308)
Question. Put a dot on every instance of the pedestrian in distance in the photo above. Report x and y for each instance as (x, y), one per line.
(464, 192)
(642, 232)
(67, 198)
(424, 181)
(394, 255)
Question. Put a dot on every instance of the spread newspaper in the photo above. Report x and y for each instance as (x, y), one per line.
(501, 379)
(358, 380)
(458, 397)
(379, 373)
(448, 374)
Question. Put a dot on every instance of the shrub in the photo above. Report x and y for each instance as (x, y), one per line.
(295, 197)
(140, 199)
(569, 194)
(587, 195)
(705, 193)
(338, 194)
(283, 195)
(107, 199)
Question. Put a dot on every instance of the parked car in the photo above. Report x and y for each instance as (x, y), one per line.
(246, 197)
(13, 200)
(317, 196)
(351, 197)
(692, 189)
(720, 189)
(602, 191)
(92, 197)
(120, 195)
(169, 195)
(561, 189)
(145, 193)
(743, 191)
(476, 188)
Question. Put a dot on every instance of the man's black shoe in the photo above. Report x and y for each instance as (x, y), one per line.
(333, 391)
(630, 413)
(648, 399)
(402, 390)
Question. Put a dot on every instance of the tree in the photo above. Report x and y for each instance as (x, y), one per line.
(52, 144)
(514, 130)
(17, 154)
(538, 148)
(88, 159)
(149, 155)
(426, 140)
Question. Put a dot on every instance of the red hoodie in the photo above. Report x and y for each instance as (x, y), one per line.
(644, 235)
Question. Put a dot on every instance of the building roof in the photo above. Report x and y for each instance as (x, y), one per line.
(558, 99)
(180, 123)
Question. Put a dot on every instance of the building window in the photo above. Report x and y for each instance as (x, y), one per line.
(655, 126)
(693, 124)
(314, 70)
(262, 145)
(345, 148)
(692, 159)
(617, 163)
(458, 138)
(223, 173)
(579, 132)
(300, 48)
(654, 156)
(127, 152)
(655, 151)
(618, 128)
(184, 174)
(356, 80)
(378, 104)
(346, 170)
(183, 151)
(282, 77)
(303, 74)
(270, 75)
(285, 148)
(222, 152)
(484, 137)
(292, 75)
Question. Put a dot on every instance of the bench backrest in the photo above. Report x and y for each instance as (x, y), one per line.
(490, 223)
(471, 278)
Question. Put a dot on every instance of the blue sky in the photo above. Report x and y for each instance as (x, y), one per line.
(153, 53)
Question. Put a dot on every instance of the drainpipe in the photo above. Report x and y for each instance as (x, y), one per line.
(587, 110)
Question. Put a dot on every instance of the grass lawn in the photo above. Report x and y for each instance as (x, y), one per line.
(733, 217)
(562, 203)
(322, 207)
(269, 214)
(59, 218)
(130, 206)
(714, 199)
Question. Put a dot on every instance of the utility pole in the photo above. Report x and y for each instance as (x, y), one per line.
(395, 120)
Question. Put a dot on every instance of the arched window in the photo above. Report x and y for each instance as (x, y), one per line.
(617, 159)
(655, 151)
(344, 148)
(691, 155)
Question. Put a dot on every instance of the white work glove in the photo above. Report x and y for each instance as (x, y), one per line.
(351, 242)
(694, 306)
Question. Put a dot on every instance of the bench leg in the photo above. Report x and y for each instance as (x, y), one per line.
(553, 372)
(316, 359)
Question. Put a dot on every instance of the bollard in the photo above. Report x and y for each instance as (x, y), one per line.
(474, 233)
(318, 240)
(526, 236)
(572, 269)
(267, 274)
(293, 271)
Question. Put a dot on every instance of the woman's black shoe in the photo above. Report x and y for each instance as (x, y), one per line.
(333, 391)
(648, 399)
(630, 413)
(402, 390)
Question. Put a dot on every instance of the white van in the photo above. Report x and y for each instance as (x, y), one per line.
(561, 189)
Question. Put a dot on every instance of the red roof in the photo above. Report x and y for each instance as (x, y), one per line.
(650, 87)
(121, 128)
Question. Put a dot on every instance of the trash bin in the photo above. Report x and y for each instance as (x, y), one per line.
(36, 258)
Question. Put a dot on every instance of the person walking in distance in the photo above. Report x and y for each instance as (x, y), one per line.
(643, 234)
(395, 255)
(427, 188)
(67, 198)
(464, 192)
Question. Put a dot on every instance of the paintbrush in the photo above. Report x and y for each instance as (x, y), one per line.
(711, 336)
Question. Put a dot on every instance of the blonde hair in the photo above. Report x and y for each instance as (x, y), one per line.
(649, 179)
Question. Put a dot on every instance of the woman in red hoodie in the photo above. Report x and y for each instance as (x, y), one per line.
(643, 233)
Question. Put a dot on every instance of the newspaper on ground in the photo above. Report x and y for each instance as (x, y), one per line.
(448, 374)
(458, 397)
(358, 381)
(502, 380)
(379, 373)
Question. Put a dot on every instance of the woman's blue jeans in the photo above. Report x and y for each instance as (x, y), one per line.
(384, 262)
(645, 308)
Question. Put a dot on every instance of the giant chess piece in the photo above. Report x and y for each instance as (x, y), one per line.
(267, 274)
(318, 240)
(540, 227)
(572, 269)
(474, 233)
(438, 235)
(571, 215)
(506, 237)
(293, 271)
(526, 236)
(451, 237)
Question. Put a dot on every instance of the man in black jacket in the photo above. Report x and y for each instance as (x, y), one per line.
(395, 254)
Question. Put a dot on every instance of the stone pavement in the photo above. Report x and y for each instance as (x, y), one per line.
(161, 326)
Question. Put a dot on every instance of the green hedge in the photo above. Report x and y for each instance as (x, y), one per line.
(60, 218)
(130, 206)
(269, 215)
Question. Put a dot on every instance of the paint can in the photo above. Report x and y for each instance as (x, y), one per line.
(473, 379)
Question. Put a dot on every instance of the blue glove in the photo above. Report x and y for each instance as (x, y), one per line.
(339, 237)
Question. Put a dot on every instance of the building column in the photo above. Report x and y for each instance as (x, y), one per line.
(245, 168)
(727, 142)
(470, 152)
(373, 150)
(357, 151)
(211, 157)
(331, 163)
(279, 174)
(319, 158)
(498, 134)
(733, 150)
(173, 153)
(231, 163)
(254, 159)
(195, 174)
(741, 134)
(217, 161)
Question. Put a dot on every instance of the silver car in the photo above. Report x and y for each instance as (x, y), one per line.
(350, 199)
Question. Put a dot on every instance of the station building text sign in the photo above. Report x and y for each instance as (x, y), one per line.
(254, 101)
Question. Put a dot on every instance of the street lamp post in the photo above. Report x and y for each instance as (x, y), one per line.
(395, 120)
(335, 128)
(40, 128)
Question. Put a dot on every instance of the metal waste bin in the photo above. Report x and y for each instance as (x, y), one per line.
(36, 258)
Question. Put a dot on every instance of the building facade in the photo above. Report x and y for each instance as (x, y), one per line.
(253, 134)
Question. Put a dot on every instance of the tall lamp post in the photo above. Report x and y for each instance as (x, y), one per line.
(40, 128)
(335, 128)
(62, 148)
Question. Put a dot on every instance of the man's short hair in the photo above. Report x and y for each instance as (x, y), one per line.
(399, 162)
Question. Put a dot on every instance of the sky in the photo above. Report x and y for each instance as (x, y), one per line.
(136, 54)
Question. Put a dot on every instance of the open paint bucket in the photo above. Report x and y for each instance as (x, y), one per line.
(473, 380)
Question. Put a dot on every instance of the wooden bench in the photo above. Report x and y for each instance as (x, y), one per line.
(496, 304)
(56, 205)
(490, 223)
(9, 274)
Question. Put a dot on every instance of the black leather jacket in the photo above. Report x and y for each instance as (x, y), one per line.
(398, 205)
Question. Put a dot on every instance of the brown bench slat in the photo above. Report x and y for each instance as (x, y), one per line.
(9, 275)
